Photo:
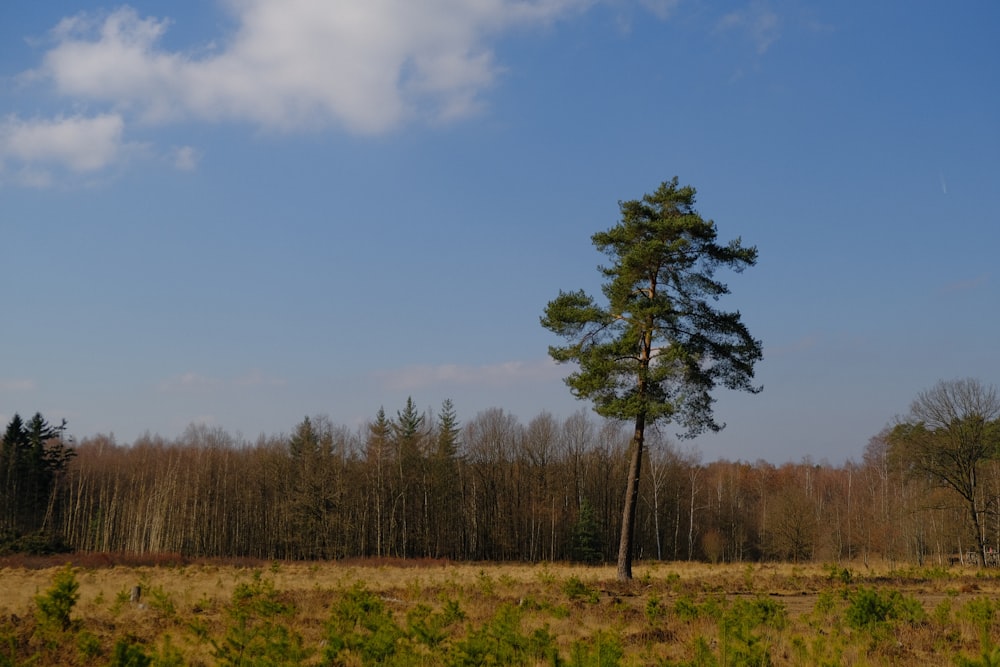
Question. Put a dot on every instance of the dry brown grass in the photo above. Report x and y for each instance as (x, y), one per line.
(178, 595)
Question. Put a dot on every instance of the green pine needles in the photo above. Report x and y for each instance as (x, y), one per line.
(658, 347)
(55, 605)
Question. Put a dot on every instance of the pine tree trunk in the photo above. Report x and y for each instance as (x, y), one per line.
(625, 545)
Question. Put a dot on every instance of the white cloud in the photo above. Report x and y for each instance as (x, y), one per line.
(78, 143)
(284, 65)
(493, 375)
(291, 64)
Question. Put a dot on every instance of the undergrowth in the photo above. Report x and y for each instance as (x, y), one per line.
(286, 615)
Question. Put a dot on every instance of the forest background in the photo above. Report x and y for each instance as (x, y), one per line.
(424, 485)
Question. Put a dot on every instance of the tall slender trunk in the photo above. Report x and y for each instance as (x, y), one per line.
(656, 517)
(976, 515)
(625, 545)
(691, 519)
(631, 501)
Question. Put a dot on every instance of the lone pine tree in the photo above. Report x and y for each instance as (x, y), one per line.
(656, 350)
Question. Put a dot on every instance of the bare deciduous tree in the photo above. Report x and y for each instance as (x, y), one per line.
(950, 432)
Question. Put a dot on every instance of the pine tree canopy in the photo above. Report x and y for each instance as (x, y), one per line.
(658, 346)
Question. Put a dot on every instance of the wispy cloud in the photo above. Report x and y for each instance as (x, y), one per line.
(965, 285)
(32, 148)
(758, 22)
(187, 382)
(662, 9)
(191, 381)
(505, 374)
(36, 152)
(256, 378)
(16, 385)
(185, 158)
(204, 420)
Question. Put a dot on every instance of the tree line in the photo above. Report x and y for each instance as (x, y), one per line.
(420, 485)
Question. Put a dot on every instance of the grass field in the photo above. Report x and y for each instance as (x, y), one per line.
(436, 613)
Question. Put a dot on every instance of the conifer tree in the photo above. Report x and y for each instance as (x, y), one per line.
(409, 461)
(377, 459)
(586, 536)
(657, 349)
(33, 458)
(311, 496)
(12, 451)
(446, 492)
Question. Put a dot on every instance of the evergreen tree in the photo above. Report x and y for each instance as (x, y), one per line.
(12, 452)
(447, 432)
(33, 458)
(304, 443)
(408, 424)
(311, 496)
(378, 462)
(446, 490)
(412, 474)
(658, 349)
(586, 535)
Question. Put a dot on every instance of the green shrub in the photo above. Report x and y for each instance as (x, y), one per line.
(655, 610)
(429, 627)
(40, 543)
(8, 649)
(602, 650)
(169, 655)
(576, 589)
(259, 633)
(980, 612)
(685, 609)
(362, 627)
(870, 609)
(127, 654)
(990, 657)
(703, 656)
(486, 584)
(88, 645)
(836, 573)
(56, 604)
(500, 641)
(825, 604)
(160, 601)
(741, 643)
(756, 612)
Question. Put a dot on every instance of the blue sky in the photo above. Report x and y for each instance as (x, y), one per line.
(243, 212)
